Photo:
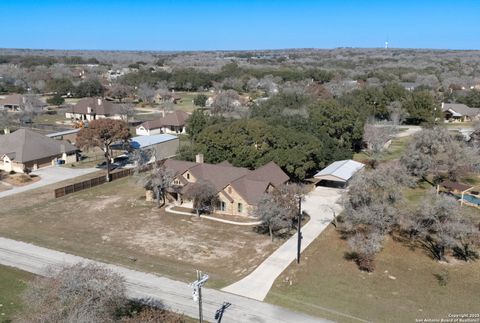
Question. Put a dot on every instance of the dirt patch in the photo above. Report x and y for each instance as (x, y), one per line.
(113, 223)
(21, 179)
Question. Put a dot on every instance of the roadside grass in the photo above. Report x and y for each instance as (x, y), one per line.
(12, 284)
(404, 286)
(113, 223)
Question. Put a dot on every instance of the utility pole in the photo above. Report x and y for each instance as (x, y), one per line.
(197, 292)
(299, 232)
(219, 312)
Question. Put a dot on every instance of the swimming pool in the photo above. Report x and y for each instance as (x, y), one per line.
(470, 198)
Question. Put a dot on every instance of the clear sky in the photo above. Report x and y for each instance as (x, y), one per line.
(249, 24)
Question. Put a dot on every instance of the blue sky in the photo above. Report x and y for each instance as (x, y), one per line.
(249, 24)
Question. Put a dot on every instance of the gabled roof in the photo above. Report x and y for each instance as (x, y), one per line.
(219, 176)
(177, 119)
(458, 109)
(21, 100)
(249, 184)
(97, 106)
(343, 169)
(25, 145)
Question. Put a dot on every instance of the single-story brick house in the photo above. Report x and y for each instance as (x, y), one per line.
(239, 189)
(25, 149)
(172, 123)
(89, 109)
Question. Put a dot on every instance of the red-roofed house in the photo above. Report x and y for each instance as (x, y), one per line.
(239, 189)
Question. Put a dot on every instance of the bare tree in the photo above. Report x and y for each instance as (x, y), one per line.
(278, 209)
(439, 225)
(203, 194)
(146, 93)
(436, 152)
(158, 180)
(376, 138)
(78, 293)
(366, 246)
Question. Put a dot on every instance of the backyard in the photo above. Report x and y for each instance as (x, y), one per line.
(406, 284)
(113, 223)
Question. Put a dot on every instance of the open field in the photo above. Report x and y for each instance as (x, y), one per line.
(12, 284)
(113, 223)
(403, 287)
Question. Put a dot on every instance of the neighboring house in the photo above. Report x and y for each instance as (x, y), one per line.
(161, 146)
(89, 109)
(163, 96)
(338, 173)
(457, 112)
(18, 102)
(25, 149)
(238, 189)
(173, 123)
(409, 86)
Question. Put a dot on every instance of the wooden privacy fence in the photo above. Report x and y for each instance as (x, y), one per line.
(69, 189)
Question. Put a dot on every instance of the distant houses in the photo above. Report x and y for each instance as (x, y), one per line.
(172, 123)
(238, 189)
(457, 112)
(19, 102)
(89, 109)
(25, 150)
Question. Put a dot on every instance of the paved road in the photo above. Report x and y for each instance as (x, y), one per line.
(173, 294)
(319, 204)
(50, 175)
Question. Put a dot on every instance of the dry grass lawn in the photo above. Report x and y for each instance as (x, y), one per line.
(113, 223)
(404, 286)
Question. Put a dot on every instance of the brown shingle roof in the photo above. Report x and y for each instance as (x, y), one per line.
(25, 145)
(249, 184)
(97, 106)
(461, 109)
(21, 100)
(455, 186)
(177, 118)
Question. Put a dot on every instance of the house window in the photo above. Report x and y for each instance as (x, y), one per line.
(176, 182)
(222, 206)
(188, 176)
(240, 207)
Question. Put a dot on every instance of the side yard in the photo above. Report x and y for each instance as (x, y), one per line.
(405, 286)
(113, 223)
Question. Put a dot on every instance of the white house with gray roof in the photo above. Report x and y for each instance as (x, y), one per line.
(457, 112)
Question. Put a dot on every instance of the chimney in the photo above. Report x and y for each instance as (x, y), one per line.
(99, 101)
(6, 131)
(199, 158)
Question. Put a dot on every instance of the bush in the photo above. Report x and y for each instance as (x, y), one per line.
(442, 278)
(55, 100)
(12, 172)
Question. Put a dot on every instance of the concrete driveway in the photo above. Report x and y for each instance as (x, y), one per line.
(49, 175)
(320, 205)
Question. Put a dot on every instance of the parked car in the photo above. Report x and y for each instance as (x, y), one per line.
(111, 166)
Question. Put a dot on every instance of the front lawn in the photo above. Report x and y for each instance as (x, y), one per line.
(113, 223)
(406, 284)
